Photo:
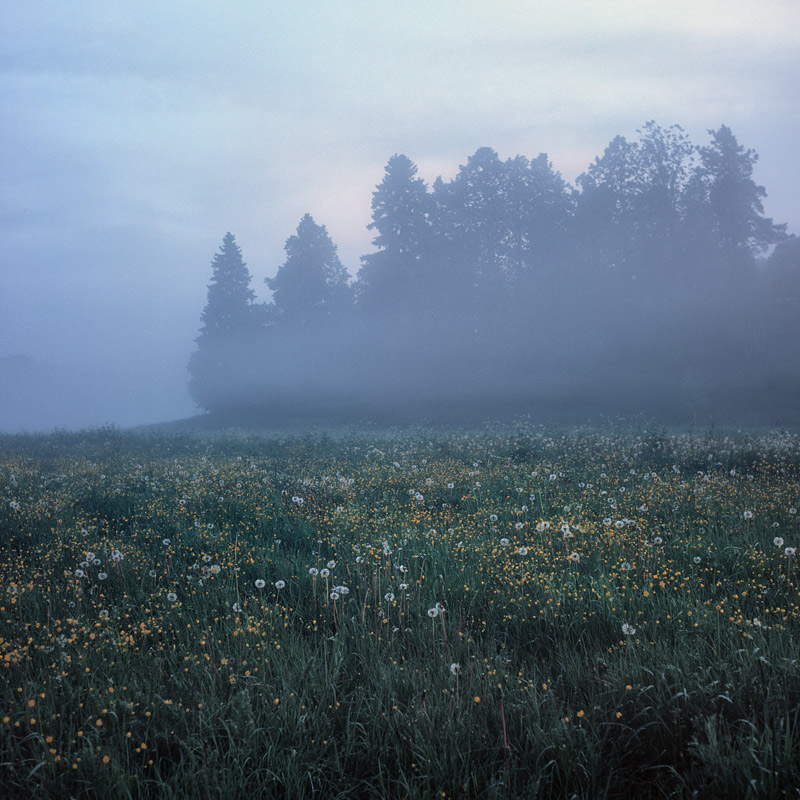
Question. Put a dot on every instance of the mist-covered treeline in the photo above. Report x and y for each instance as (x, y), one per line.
(645, 288)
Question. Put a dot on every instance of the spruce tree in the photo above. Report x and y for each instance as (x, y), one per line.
(228, 322)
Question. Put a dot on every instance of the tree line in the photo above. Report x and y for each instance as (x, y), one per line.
(654, 285)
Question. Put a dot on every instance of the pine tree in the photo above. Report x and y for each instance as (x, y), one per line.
(228, 323)
(312, 284)
(734, 199)
(228, 307)
(394, 276)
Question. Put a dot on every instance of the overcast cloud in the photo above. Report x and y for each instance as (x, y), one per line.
(135, 135)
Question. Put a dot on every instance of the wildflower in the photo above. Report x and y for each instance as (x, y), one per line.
(627, 629)
(324, 573)
(504, 542)
(313, 572)
(260, 584)
(104, 614)
(214, 569)
(748, 515)
(403, 587)
(280, 584)
(331, 565)
(697, 559)
(657, 540)
(433, 612)
(777, 541)
(79, 573)
(14, 505)
(450, 486)
(792, 510)
(101, 576)
(519, 525)
(575, 557)
(334, 595)
(388, 597)
(455, 668)
(789, 551)
(172, 597)
(166, 542)
(607, 521)
(343, 590)
(523, 551)
(626, 565)
(236, 607)
(152, 573)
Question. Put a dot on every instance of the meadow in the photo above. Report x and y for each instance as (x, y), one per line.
(512, 612)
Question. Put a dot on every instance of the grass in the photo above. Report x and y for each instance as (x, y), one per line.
(519, 612)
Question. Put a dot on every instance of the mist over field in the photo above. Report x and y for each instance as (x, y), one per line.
(371, 215)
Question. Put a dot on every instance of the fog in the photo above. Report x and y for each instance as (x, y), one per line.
(134, 139)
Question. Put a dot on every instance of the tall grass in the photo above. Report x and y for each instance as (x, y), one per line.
(511, 613)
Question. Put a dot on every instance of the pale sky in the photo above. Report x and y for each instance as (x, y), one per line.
(135, 135)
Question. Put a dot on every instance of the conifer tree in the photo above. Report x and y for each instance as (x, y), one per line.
(228, 321)
(312, 284)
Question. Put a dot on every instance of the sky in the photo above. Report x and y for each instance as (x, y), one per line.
(135, 135)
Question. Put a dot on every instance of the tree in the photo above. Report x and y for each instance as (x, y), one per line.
(633, 203)
(401, 209)
(228, 320)
(312, 283)
(734, 200)
(538, 210)
(229, 294)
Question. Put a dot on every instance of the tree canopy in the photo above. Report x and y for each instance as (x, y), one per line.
(643, 288)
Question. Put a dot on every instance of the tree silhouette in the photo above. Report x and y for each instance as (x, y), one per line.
(735, 200)
(228, 322)
(395, 276)
(312, 283)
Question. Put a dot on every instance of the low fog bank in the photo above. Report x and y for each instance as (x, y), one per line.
(36, 396)
(692, 365)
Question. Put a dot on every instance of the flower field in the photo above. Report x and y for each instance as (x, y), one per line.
(517, 612)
